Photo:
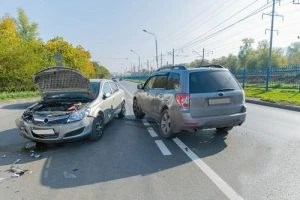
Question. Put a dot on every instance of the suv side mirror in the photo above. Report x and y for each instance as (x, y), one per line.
(106, 95)
(140, 86)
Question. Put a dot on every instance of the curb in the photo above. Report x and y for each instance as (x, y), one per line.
(274, 105)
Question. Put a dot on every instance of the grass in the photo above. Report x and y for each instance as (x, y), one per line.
(18, 95)
(283, 96)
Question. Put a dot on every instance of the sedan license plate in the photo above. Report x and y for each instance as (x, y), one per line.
(44, 131)
(219, 101)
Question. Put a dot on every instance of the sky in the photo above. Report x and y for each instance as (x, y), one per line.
(110, 29)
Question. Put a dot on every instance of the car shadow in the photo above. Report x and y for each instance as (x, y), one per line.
(126, 150)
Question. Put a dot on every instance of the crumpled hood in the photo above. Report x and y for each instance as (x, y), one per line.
(61, 80)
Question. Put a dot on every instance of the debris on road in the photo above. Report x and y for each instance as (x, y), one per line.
(186, 148)
(37, 155)
(4, 156)
(30, 145)
(17, 161)
(74, 170)
(68, 175)
(17, 172)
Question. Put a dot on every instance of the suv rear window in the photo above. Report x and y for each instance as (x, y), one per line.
(212, 81)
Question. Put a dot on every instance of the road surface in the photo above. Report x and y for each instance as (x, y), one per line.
(259, 160)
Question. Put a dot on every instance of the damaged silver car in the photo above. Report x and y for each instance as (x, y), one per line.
(72, 107)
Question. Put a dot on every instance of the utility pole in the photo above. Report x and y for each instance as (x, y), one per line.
(148, 67)
(161, 59)
(272, 14)
(173, 56)
(202, 56)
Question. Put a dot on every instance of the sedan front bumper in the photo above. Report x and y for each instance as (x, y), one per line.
(55, 133)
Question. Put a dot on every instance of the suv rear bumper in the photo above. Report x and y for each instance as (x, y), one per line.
(186, 122)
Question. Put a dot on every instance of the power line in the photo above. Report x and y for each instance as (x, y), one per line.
(193, 42)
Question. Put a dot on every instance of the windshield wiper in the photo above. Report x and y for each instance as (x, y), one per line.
(225, 89)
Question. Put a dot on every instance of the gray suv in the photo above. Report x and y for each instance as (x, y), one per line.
(189, 99)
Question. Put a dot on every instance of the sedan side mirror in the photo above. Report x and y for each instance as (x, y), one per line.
(140, 86)
(106, 95)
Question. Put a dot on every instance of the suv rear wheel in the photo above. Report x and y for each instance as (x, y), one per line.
(166, 125)
(137, 110)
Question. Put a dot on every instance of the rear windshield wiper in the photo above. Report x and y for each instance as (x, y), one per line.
(225, 89)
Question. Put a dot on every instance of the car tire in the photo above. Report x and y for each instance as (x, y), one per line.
(166, 126)
(137, 110)
(97, 129)
(224, 129)
(123, 111)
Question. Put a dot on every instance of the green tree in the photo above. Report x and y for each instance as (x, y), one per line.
(293, 53)
(245, 51)
(26, 30)
(101, 71)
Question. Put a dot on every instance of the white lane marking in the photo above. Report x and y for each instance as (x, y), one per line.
(152, 132)
(126, 90)
(163, 148)
(48, 162)
(145, 122)
(46, 174)
(221, 184)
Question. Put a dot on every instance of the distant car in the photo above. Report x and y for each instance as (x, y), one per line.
(72, 107)
(191, 99)
(114, 79)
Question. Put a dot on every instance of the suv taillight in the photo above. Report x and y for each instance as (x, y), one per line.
(183, 100)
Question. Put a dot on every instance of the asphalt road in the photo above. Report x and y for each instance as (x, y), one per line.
(259, 160)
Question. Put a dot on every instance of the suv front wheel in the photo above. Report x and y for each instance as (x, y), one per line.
(137, 110)
(166, 125)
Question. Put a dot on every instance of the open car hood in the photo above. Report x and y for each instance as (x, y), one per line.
(62, 81)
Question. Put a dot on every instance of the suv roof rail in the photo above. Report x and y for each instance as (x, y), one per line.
(178, 67)
(208, 66)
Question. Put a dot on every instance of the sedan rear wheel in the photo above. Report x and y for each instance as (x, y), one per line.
(166, 125)
(123, 110)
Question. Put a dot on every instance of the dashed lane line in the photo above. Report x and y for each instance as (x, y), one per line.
(163, 148)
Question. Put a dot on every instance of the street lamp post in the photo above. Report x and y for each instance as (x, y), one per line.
(155, 45)
(138, 57)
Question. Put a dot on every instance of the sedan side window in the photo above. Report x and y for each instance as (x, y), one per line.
(106, 88)
(114, 87)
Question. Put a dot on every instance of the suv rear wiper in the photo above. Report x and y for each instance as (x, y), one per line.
(225, 89)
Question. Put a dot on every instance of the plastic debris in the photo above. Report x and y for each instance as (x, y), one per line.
(31, 151)
(32, 155)
(30, 145)
(37, 155)
(17, 161)
(17, 170)
(4, 156)
(68, 175)
(15, 175)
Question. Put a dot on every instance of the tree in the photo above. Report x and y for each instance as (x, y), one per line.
(245, 51)
(101, 71)
(26, 30)
(293, 53)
